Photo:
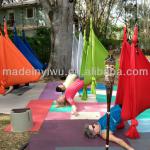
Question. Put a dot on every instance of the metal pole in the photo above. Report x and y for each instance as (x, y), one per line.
(109, 95)
(109, 81)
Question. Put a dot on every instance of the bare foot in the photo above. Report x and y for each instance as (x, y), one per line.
(74, 111)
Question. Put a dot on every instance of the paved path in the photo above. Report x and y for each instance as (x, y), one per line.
(16, 100)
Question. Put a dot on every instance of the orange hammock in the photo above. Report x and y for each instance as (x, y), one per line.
(14, 67)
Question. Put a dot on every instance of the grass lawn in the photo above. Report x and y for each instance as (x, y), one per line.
(11, 141)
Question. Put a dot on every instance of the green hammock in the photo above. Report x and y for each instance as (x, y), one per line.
(84, 54)
(95, 59)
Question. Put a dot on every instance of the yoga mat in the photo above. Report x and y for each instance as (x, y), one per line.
(143, 126)
(103, 98)
(99, 86)
(89, 148)
(102, 87)
(145, 115)
(49, 91)
(88, 91)
(69, 133)
(60, 109)
(81, 107)
(58, 116)
(143, 143)
(39, 112)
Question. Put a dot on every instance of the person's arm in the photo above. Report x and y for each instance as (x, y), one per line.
(117, 140)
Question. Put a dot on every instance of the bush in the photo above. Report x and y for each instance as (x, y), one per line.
(111, 42)
(41, 44)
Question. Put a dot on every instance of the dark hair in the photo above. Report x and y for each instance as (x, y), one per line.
(89, 133)
(59, 89)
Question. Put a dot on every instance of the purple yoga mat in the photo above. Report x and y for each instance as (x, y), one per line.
(68, 133)
(49, 91)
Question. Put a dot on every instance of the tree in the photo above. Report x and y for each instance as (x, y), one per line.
(60, 13)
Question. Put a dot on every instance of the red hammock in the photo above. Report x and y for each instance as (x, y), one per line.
(14, 67)
(133, 90)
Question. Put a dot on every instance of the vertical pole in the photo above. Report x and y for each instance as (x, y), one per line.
(109, 81)
(109, 95)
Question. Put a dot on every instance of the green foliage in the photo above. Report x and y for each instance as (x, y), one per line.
(111, 42)
(40, 43)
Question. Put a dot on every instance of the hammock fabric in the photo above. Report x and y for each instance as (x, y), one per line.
(74, 59)
(13, 65)
(124, 66)
(95, 58)
(27, 52)
(133, 90)
(84, 54)
(26, 43)
(79, 54)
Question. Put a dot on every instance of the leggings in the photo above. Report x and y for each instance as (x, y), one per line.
(69, 80)
(72, 90)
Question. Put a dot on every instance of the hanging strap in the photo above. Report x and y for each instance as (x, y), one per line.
(74, 29)
(0, 29)
(23, 35)
(5, 27)
(15, 29)
(80, 27)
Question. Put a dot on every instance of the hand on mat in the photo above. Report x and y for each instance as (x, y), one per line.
(58, 106)
(60, 102)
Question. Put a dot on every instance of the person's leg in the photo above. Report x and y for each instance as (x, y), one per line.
(72, 103)
(117, 140)
(71, 92)
(69, 80)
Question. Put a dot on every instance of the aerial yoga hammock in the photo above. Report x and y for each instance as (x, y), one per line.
(29, 47)
(74, 52)
(93, 58)
(24, 49)
(80, 51)
(13, 65)
(133, 90)
(77, 47)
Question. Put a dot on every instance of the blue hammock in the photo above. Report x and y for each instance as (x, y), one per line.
(27, 44)
(27, 53)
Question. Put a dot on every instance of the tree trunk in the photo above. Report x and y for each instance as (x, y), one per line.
(61, 16)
